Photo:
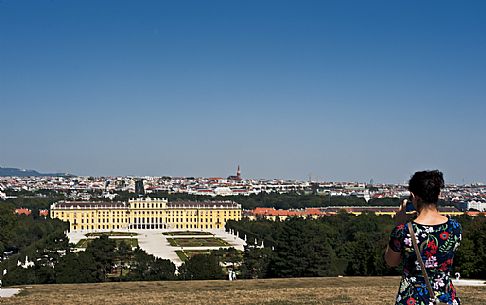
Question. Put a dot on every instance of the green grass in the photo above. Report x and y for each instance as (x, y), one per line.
(188, 233)
(96, 234)
(132, 242)
(197, 242)
(185, 255)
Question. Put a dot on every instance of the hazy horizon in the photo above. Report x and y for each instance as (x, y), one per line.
(340, 91)
(224, 176)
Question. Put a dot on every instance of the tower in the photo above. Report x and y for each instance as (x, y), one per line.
(139, 189)
(238, 175)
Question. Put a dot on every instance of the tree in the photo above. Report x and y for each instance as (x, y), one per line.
(7, 223)
(102, 249)
(145, 267)
(466, 259)
(20, 276)
(255, 262)
(76, 268)
(201, 267)
(162, 269)
(124, 253)
(302, 249)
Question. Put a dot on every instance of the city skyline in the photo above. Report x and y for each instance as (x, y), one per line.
(222, 177)
(338, 91)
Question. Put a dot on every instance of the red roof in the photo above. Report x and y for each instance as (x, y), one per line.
(274, 212)
(23, 211)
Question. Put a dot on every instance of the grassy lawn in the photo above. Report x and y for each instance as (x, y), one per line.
(96, 234)
(133, 242)
(188, 233)
(328, 291)
(197, 242)
(185, 255)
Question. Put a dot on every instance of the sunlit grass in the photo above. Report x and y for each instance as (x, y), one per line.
(197, 242)
(132, 242)
(346, 290)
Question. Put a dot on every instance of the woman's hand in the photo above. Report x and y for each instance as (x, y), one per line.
(401, 215)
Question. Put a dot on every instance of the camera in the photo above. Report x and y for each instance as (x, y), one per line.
(409, 207)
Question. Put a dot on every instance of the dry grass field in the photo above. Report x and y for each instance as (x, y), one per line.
(347, 290)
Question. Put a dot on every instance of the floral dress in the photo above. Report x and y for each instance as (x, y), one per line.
(437, 245)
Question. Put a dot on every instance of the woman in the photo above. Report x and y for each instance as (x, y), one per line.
(437, 237)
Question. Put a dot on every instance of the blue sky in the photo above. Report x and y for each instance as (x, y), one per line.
(339, 90)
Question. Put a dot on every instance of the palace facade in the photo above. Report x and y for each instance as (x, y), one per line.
(145, 213)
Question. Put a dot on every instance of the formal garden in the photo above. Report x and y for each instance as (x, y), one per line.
(197, 242)
(185, 255)
(132, 242)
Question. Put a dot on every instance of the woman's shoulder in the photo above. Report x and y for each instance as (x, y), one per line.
(453, 222)
(454, 225)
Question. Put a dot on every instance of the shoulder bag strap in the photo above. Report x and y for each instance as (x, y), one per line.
(421, 262)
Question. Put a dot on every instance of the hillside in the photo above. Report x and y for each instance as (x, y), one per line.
(331, 290)
(16, 172)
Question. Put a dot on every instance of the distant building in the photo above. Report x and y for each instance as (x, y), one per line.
(146, 214)
(139, 189)
(23, 211)
(43, 213)
(273, 214)
(238, 175)
(474, 205)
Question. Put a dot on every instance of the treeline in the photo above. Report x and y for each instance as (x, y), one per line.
(292, 200)
(295, 200)
(26, 234)
(39, 239)
(340, 245)
(106, 261)
(471, 255)
(102, 261)
(35, 201)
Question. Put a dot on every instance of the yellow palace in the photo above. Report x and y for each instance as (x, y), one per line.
(145, 213)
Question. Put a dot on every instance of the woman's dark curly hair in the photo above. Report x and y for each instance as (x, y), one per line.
(427, 185)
